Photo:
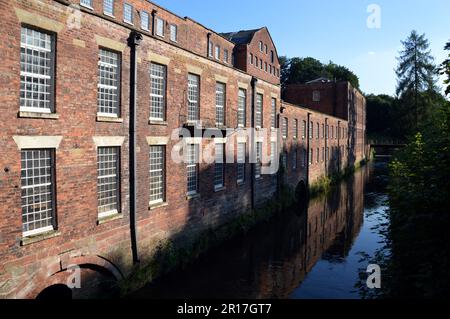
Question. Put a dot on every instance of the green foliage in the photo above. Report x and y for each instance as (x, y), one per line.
(420, 212)
(302, 70)
(445, 69)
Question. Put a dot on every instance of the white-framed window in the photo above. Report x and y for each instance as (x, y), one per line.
(157, 174)
(225, 56)
(284, 128)
(241, 162)
(159, 27)
(193, 97)
(108, 7)
(258, 164)
(128, 13)
(294, 159)
(86, 3)
(259, 111)
(220, 104)
(37, 64)
(295, 133)
(304, 130)
(108, 87)
(273, 152)
(192, 156)
(242, 107)
(211, 49)
(261, 46)
(316, 96)
(145, 21)
(311, 130)
(219, 167)
(158, 80)
(273, 114)
(217, 52)
(173, 33)
(38, 191)
(108, 180)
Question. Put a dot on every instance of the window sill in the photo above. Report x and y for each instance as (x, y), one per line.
(109, 119)
(192, 196)
(128, 22)
(157, 205)
(241, 183)
(38, 115)
(107, 219)
(39, 237)
(219, 189)
(157, 122)
(86, 6)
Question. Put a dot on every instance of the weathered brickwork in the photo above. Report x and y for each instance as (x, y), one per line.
(29, 264)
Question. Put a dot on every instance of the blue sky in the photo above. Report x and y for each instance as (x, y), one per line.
(332, 30)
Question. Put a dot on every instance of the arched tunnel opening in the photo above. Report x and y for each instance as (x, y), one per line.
(58, 291)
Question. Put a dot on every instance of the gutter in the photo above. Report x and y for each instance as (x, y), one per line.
(133, 42)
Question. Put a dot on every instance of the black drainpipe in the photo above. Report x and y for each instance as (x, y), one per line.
(252, 140)
(154, 12)
(133, 42)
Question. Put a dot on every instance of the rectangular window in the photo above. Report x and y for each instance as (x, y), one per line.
(108, 7)
(323, 131)
(108, 180)
(241, 154)
(311, 156)
(251, 58)
(219, 167)
(210, 49)
(192, 155)
(323, 154)
(173, 33)
(273, 114)
(86, 3)
(256, 62)
(38, 191)
(272, 56)
(316, 96)
(242, 107)
(220, 104)
(217, 52)
(318, 130)
(158, 79)
(157, 174)
(294, 159)
(295, 133)
(193, 97)
(317, 155)
(259, 111)
(311, 130)
(160, 27)
(304, 130)
(225, 56)
(261, 64)
(261, 46)
(258, 163)
(284, 128)
(273, 151)
(128, 13)
(37, 63)
(145, 21)
(108, 88)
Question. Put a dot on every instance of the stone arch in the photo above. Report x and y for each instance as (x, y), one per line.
(96, 273)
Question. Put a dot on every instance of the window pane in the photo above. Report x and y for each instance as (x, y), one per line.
(108, 7)
(242, 106)
(220, 104)
(173, 33)
(37, 190)
(144, 20)
(36, 70)
(192, 152)
(219, 166)
(127, 13)
(258, 164)
(108, 82)
(157, 174)
(259, 109)
(273, 113)
(108, 180)
(193, 97)
(160, 27)
(241, 154)
(158, 91)
(87, 3)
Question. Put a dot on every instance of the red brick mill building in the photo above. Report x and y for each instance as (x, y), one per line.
(91, 92)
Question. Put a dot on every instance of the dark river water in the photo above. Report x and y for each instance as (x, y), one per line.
(300, 254)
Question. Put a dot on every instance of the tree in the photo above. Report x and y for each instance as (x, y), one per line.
(445, 69)
(301, 70)
(416, 73)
